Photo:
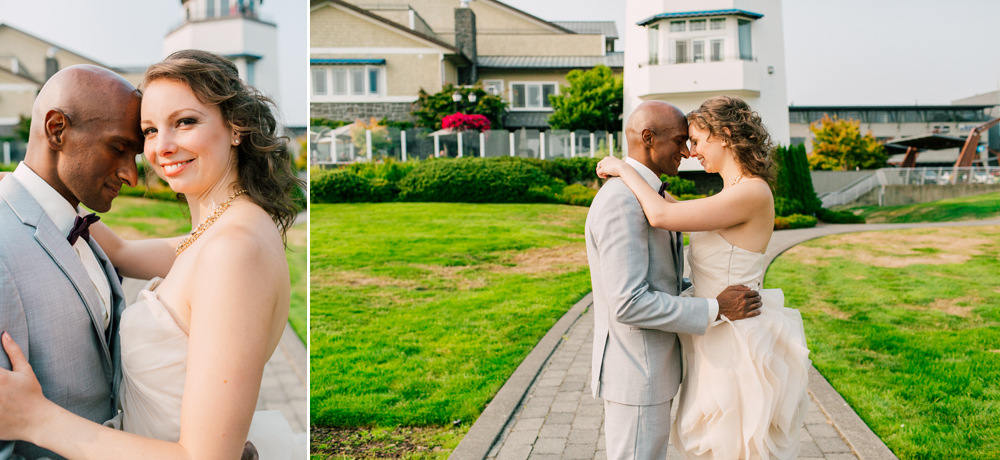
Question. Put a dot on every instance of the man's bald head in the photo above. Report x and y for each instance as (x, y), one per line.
(85, 134)
(657, 134)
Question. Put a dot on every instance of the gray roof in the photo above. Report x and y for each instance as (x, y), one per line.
(613, 60)
(607, 28)
(530, 120)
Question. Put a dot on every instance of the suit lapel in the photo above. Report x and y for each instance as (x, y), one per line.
(117, 306)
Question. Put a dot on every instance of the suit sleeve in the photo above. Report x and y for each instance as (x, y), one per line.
(622, 241)
(11, 320)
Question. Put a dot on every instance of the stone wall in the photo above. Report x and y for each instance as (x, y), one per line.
(898, 195)
(349, 111)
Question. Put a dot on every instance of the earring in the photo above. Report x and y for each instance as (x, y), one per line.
(236, 141)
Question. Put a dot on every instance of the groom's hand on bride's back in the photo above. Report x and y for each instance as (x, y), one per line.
(738, 302)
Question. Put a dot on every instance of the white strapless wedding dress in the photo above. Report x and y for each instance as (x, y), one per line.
(744, 390)
(154, 366)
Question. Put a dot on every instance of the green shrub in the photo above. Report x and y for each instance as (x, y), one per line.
(781, 223)
(479, 180)
(793, 180)
(800, 221)
(577, 195)
(390, 169)
(679, 186)
(10, 168)
(340, 186)
(784, 206)
(841, 217)
(142, 191)
(687, 196)
(579, 170)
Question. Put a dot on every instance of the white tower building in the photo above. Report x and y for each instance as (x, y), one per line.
(686, 51)
(232, 28)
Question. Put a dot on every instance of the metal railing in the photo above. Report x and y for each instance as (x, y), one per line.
(708, 58)
(942, 175)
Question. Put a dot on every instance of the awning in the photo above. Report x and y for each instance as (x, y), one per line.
(347, 62)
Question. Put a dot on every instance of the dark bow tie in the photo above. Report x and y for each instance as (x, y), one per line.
(81, 227)
(663, 188)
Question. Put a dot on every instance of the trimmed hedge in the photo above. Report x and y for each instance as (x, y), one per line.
(841, 217)
(479, 180)
(340, 186)
(794, 221)
(580, 170)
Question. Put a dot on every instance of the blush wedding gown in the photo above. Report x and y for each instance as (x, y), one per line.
(154, 351)
(744, 389)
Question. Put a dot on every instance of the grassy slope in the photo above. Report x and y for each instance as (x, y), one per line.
(914, 344)
(420, 311)
(974, 207)
(134, 218)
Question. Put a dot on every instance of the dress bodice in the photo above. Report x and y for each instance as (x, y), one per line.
(716, 264)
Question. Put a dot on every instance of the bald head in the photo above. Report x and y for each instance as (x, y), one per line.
(85, 134)
(657, 134)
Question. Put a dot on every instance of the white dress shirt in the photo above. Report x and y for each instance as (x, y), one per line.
(654, 182)
(63, 215)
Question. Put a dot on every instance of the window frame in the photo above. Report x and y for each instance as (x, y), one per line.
(494, 82)
(349, 72)
(541, 93)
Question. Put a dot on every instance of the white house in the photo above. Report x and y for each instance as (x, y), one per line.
(686, 51)
(234, 29)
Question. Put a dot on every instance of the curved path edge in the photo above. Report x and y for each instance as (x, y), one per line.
(488, 428)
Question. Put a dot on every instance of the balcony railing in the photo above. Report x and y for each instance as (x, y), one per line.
(706, 59)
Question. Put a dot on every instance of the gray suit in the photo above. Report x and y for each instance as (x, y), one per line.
(635, 270)
(50, 306)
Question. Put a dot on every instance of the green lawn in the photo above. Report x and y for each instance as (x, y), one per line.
(421, 311)
(906, 326)
(974, 207)
(134, 218)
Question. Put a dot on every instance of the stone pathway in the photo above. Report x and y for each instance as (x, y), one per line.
(559, 419)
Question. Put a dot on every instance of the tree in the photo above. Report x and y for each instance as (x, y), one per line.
(839, 145)
(23, 128)
(592, 101)
(793, 187)
(380, 137)
(430, 109)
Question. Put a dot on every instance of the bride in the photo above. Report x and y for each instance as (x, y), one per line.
(744, 390)
(195, 343)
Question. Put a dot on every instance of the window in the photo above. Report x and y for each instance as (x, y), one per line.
(698, 48)
(251, 73)
(210, 10)
(319, 81)
(718, 24)
(373, 80)
(224, 8)
(343, 81)
(717, 50)
(339, 81)
(698, 24)
(680, 51)
(797, 141)
(531, 95)
(746, 50)
(678, 26)
(494, 87)
(357, 81)
(654, 45)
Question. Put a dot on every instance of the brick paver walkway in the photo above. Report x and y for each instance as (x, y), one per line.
(559, 419)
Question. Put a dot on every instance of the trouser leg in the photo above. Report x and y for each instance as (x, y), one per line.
(636, 432)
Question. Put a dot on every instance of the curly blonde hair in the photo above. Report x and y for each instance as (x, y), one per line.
(732, 120)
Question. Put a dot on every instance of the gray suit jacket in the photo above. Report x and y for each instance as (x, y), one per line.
(49, 305)
(635, 270)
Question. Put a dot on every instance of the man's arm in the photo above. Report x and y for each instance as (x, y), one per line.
(622, 241)
(11, 320)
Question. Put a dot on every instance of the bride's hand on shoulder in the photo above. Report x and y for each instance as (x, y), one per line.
(22, 404)
(610, 166)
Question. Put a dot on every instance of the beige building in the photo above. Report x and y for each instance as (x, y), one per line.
(371, 59)
(26, 62)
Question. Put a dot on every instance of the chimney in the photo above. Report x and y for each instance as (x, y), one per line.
(51, 64)
(465, 41)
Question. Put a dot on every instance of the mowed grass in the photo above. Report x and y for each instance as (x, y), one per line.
(906, 326)
(136, 218)
(421, 311)
(976, 207)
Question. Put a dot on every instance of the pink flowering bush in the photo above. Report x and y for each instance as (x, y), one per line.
(463, 122)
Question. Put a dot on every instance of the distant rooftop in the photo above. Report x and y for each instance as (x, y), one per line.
(613, 60)
(607, 28)
(698, 14)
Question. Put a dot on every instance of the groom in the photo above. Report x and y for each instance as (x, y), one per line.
(60, 298)
(636, 274)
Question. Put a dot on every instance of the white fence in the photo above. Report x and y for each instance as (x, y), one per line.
(943, 175)
(349, 144)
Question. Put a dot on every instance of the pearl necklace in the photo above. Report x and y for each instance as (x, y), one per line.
(207, 223)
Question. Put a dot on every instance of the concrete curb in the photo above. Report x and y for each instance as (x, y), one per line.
(295, 352)
(489, 426)
(855, 432)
